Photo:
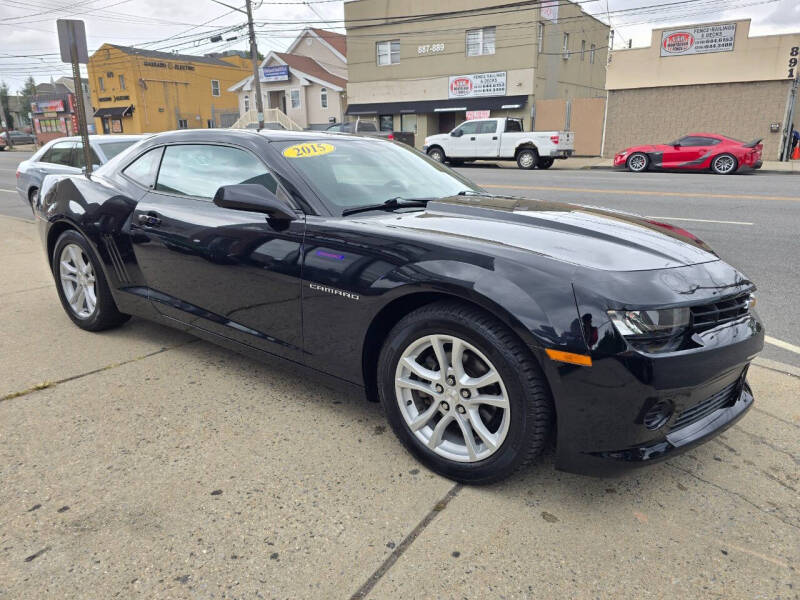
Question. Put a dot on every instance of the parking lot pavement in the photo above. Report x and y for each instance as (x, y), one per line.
(162, 467)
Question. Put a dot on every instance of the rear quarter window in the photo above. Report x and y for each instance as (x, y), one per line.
(111, 149)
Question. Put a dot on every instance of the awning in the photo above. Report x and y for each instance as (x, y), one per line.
(114, 111)
(430, 106)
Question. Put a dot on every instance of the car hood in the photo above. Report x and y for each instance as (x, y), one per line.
(437, 137)
(580, 235)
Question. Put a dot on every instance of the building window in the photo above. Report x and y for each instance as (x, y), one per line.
(247, 104)
(386, 122)
(183, 124)
(591, 53)
(565, 47)
(583, 49)
(101, 84)
(122, 82)
(388, 53)
(295, 97)
(480, 41)
(408, 123)
(540, 36)
(323, 97)
(215, 87)
(210, 124)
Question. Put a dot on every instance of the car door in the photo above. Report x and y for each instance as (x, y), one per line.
(464, 143)
(230, 272)
(687, 150)
(56, 160)
(487, 139)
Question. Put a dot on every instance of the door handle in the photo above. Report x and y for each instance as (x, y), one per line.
(472, 138)
(149, 220)
(494, 137)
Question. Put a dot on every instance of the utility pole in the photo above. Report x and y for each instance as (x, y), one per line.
(254, 58)
(72, 44)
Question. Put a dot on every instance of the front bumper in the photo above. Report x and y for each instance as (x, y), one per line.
(620, 159)
(602, 410)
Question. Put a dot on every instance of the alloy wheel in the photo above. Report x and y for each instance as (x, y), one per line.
(637, 162)
(78, 281)
(724, 164)
(526, 160)
(436, 155)
(452, 398)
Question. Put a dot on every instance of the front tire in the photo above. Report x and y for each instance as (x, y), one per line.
(436, 154)
(463, 394)
(82, 286)
(724, 164)
(638, 162)
(527, 158)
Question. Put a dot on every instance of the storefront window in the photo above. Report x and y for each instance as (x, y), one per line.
(408, 123)
(387, 122)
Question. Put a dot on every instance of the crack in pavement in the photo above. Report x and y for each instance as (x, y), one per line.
(373, 579)
(27, 290)
(761, 439)
(48, 384)
(737, 494)
(776, 417)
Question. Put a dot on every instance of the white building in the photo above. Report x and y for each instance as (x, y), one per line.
(302, 88)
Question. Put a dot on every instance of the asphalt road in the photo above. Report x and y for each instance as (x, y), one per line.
(751, 220)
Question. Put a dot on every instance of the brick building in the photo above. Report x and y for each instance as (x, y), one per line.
(712, 77)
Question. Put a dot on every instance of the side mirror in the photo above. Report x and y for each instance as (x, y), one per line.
(254, 198)
(456, 133)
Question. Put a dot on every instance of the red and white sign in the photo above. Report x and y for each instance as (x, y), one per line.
(549, 10)
(701, 39)
(50, 106)
(472, 115)
(477, 85)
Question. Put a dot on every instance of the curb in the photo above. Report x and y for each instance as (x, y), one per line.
(761, 170)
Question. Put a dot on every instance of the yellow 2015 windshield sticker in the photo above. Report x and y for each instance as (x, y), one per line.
(308, 149)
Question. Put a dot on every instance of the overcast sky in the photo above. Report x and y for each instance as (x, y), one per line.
(28, 28)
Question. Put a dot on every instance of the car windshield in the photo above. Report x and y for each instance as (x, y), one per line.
(354, 172)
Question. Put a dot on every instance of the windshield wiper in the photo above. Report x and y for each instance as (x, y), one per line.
(390, 204)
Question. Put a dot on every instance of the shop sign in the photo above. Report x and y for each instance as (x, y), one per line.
(276, 73)
(549, 10)
(477, 85)
(701, 39)
(51, 106)
(477, 114)
(158, 64)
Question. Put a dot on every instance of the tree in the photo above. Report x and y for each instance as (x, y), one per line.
(27, 93)
(4, 102)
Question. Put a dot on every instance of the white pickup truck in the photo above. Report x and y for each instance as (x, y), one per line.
(500, 139)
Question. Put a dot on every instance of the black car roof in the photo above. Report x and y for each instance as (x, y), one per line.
(271, 135)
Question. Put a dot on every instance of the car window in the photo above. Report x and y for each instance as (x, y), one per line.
(77, 156)
(200, 170)
(469, 127)
(111, 149)
(354, 172)
(143, 169)
(367, 127)
(337, 127)
(513, 125)
(487, 126)
(60, 153)
(696, 140)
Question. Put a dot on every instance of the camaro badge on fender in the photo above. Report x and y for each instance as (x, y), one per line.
(334, 291)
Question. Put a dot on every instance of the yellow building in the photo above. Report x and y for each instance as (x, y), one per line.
(143, 91)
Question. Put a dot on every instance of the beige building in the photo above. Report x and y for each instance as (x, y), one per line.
(302, 88)
(471, 56)
(710, 77)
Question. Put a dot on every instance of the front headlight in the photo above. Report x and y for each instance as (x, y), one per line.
(651, 325)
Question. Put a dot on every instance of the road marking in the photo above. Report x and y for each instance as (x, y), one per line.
(782, 344)
(639, 192)
(700, 220)
(6, 190)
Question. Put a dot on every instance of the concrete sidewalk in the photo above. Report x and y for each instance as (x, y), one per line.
(141, 462)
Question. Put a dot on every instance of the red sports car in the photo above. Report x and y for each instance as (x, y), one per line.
(694, 152)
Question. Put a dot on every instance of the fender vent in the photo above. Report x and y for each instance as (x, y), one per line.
(116, 259)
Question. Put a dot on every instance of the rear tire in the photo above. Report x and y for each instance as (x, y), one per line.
(437, 154)
(724, 164)
(82, 286)
(638, 162)
(32, 195)
(545, 163)
(527, 158)
(505, 435)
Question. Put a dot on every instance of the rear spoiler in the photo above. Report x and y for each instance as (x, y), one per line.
(754, 143)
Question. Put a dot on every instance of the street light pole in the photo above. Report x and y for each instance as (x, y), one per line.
(254, 58)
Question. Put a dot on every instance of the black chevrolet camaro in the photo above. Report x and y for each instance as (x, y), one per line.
(484, 324)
